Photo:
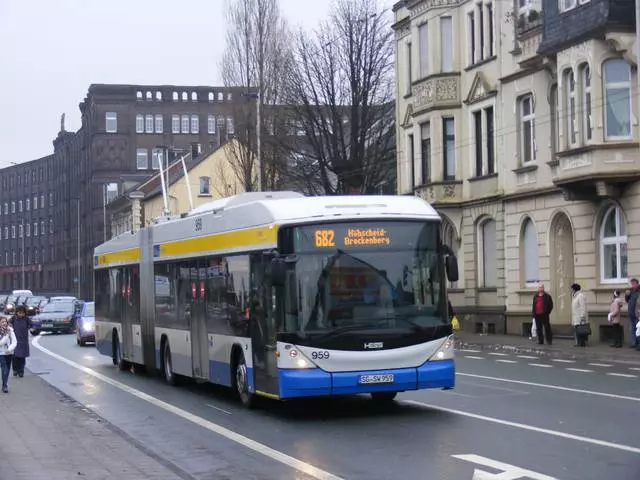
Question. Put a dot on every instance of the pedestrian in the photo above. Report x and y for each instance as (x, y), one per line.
(580, 316)
(21, 324)
(542, 308)
(614, 320)
(631, 298)
(8, 344)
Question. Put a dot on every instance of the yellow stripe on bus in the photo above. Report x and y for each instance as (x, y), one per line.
(131, 255)
(221, 241)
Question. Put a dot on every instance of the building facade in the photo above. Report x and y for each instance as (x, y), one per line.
(518, 121)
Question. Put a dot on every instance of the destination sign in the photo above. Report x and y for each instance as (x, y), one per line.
(352, 237)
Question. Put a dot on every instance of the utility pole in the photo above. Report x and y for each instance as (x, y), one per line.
(22, 255)
(258, 144)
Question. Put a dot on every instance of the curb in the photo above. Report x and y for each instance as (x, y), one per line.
(585, 354)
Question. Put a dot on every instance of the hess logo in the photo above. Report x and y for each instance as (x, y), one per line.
(373, 345)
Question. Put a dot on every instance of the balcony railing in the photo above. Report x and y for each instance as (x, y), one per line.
(436, 91)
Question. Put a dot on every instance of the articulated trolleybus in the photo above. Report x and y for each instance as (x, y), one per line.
(279, 295)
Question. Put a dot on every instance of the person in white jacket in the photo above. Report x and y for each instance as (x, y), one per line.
(8, 343)
(579, 314)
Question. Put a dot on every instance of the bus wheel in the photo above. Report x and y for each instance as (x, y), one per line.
(118, 359)
(384, 398)
(167, 366)
(242, 383)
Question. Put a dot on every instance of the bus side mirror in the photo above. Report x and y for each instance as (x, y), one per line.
(451, 266)
(278, 272)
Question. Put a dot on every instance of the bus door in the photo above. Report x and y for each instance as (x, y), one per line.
(262, 328)
(198, 322)
(128, 312)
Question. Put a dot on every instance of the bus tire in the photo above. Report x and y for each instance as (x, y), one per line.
(241, 381)
(167, 365)
(384, 398)
(118, 359)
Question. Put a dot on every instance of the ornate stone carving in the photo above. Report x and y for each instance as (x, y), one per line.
(425, 5)
(449, 190)
(432, 91)
(575, 162)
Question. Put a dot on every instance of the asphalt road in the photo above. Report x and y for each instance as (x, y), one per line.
(536, 418)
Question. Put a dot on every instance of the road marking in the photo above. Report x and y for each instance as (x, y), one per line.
(213, 427)
(474, 358)
(524, 426)
(509, 472)
(584, 370)
(560, 360)
(626, 375)
(541, 365)
(506, 361)
(600, 365)
(219, 409)
(498, 354)
(529, 357)
(634, 369)
(551, 387)
(469, 350)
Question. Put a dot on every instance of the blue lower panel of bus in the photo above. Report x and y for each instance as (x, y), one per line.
(317, 382)
(104, 346)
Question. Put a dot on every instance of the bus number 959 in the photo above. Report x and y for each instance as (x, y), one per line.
(320, 355)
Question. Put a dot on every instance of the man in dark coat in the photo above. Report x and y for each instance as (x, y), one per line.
(542, 307)
(21, 324)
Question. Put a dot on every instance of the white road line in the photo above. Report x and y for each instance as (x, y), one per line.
(529, 357)
(468, 350)
(498, 354)
(551, 387)
(523, 426)
(600, 365)
(219, 409)
(474, 358)
(560, 360)
(634, 369)
(506, 361)
(541, 365)
(584, 370)
(213, 427)
(625, 375)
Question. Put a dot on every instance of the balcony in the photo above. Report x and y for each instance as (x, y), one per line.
(447, 192)
(596, 171)
(437, 91)
(528, 38)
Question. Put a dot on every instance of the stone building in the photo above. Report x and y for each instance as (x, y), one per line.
(518, 121)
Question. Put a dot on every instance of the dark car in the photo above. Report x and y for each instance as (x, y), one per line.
(57, 317)
(35, 304)
(86, 331)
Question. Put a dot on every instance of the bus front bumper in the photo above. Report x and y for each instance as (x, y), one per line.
(315, 382)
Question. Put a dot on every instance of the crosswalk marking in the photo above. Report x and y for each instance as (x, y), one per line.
(498, 354)
(466, 350)
(506, 361)
(559, 360)
(530, 357)
(634, 369)
(474, 358)
(541, 365)
(625, 375)
(600, 365)
(584, 370)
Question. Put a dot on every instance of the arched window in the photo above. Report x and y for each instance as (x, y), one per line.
(585, 80)
(529, 253)
(617, 99)
(613, 247)
(487, 271)
(450, 239)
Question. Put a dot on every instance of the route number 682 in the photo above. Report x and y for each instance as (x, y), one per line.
(320, 355)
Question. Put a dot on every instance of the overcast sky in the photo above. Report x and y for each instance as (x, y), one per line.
(52, 50)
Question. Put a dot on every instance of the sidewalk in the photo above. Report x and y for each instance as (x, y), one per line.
(561, 348)
(45, 435)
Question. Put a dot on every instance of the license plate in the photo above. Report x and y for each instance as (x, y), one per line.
(47, 325)
(369, 379)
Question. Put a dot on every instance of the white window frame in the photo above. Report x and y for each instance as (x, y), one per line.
(211, 124)
(13, 207)
(43, 230)
(20, 231)
(445, 157)
(27, 204)
(156, 158)
(140, 152)
(409, 67)
(175, 123)
(35, 202)
(587, 102)
(570, 101)
(446, 54)
(423, 53)
(619, 240)
(185, 124)
(51, 228)
(42, 205)
(471, 36)
(524, 118)
(231, 129)
(19, 206)
(159, 121)
(28, 230)
(525, 6)
(195, 124)
(148, 123)
(481, 257)
(35, 229)
(111, 122)
(208, 184)
(139, 123)
(566, 5)
(51, 199)
(13, 231)
(605, 89)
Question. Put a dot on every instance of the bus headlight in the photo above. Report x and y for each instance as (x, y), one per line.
(446, 350)
(294, 358)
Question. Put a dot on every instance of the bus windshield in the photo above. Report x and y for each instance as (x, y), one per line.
(374, 276)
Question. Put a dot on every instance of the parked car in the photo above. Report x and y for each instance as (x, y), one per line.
(22, 293)
(10, 305)
(57, 317)
(86, 331)
(35, 304)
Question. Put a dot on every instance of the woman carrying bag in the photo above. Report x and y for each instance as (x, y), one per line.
(580, 316)
(8, 343)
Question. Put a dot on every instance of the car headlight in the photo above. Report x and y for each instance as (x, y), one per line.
(88, 326)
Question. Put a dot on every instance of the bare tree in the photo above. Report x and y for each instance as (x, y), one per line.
(341, 92)
(257, 53)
